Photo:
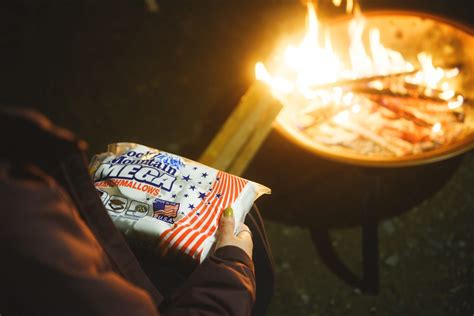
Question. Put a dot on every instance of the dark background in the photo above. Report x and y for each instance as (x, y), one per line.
(114, 71)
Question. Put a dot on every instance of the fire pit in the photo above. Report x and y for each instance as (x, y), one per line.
(380, 89)
(387, 89)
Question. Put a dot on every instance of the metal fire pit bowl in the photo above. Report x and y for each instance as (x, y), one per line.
(358, 189)
(450, 43)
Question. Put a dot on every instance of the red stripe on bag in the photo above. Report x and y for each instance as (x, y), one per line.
(190, 218)
(194, 230)
(210, 230)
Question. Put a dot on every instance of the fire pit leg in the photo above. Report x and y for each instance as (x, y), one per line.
(323, 243)
(370, 255)
(370, 283)
(370, 238)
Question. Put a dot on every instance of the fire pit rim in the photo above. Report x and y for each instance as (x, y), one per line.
(465, 27)
(442, 153)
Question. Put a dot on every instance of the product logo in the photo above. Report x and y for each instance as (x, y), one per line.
(140, 173)
(169, 159)
(165, 210)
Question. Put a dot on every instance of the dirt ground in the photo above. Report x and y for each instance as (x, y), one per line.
(116, 71)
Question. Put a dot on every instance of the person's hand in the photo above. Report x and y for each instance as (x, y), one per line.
(226, 237)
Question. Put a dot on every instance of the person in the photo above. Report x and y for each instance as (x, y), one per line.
(62, 255)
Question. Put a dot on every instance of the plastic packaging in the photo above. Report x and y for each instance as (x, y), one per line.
(170, 201)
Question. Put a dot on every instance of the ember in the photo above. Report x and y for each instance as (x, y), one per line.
(372, 102)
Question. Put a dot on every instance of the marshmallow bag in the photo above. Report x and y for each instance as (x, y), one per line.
(169, 201)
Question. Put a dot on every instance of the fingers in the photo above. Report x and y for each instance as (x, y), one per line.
(245, 240)
(226, 225)
(245, 232)
(226, 237)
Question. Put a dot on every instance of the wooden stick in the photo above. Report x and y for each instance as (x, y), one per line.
(244, 131)
(384, 142)
(402, 112)
(389, 93)
(255, 140)
(354, 82)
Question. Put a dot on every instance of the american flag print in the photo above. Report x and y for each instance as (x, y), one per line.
(165, 208)
(190, 232)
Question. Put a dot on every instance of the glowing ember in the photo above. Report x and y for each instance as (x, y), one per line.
(374, 102)
(437, 128)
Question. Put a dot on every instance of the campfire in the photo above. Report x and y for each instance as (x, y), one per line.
(345, 92)
(381, 89)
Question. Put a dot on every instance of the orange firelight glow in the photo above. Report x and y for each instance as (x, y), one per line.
(298, 73)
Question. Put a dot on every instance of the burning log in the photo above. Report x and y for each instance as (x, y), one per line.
(343, 119)
(410, 97)
(402, 113)
(354, 83)
(408, 136)
(244, 131)
(422, 91)
(413, 111)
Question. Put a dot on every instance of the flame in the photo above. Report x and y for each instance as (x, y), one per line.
(277, 84)
(310, 78)
(356, 108)
(300, 68)
(349, 6)
(437, 128)
(342, 117)
(456, 103)
(312, 63)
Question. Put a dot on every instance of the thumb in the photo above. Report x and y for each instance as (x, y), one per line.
(226, 225)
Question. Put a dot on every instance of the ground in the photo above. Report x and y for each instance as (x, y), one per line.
(114, 71)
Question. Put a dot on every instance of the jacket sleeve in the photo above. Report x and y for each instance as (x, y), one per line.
(224, 284)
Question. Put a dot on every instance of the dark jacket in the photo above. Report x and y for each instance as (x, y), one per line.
(61, 253)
